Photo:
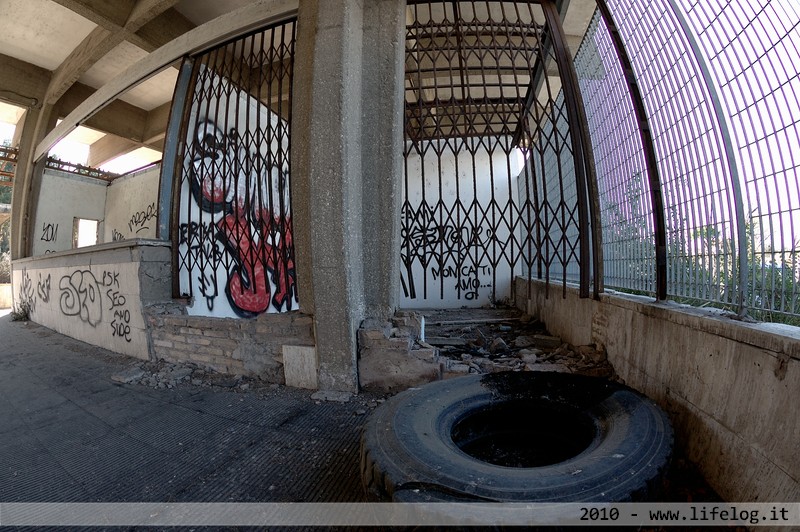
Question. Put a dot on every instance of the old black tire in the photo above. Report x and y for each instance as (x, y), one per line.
(409, 450)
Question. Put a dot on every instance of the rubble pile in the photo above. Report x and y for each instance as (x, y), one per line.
(162, 374)
(488, 341)
(405, 353)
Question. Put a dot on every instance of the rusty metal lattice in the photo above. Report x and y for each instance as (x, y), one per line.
(54, 163)
(234, 234)
(8, 165)
(490, 189)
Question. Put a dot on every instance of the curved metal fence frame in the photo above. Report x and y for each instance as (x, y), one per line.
(717, 109)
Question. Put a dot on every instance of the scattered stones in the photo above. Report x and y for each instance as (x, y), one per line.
(338, 397)
(458, 368)
(129, 376)
(163, 375)
(506, 340)
(523, 341)
(498, 345)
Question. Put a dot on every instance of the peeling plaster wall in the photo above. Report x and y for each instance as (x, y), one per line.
(64, 197)
(131, 206)
(731, 388)
(95, 295)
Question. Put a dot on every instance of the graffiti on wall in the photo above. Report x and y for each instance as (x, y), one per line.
(43, 288)
(50, 235)
(85, 295)
(443, 250)
(142, 220)
(27, 296)
(49, 232)
(242, 246)
(81, 296)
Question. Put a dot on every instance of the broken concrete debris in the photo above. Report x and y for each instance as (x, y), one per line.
(393, 355)
(463, 341)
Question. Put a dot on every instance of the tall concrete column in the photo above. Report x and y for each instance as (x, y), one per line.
(346, 167)
(327, 181)
(37, 123)
(382, 152)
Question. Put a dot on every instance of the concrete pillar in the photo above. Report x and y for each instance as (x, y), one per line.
(37, 123)
(326, 181)
(346, 167)
(382, 152)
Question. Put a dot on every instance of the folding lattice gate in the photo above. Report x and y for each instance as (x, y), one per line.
(495, 178)
(234, 248)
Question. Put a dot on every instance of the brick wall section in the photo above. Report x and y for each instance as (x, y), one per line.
(250, 347)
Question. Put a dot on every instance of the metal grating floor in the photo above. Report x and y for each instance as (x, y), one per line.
(68, 433)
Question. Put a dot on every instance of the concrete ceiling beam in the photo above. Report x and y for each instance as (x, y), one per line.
(97, 44)
(155, 126)
(102, 40)
(108, 15)
(118, 117)
(22, 83)
(107, 148)
(161, 30)
(146, 10)
(250, 16)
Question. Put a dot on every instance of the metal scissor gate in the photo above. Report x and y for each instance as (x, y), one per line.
(495, 176)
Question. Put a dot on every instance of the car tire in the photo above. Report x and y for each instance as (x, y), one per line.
(516, 437)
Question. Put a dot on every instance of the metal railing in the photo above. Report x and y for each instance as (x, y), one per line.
(53, 163)
(8, 166)
(720, 82)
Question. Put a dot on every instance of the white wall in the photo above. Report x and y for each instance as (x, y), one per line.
(91, 295)
(62, 198)
(132, 206)
(457, 274)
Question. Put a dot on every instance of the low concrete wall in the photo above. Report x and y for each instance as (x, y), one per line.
(731, 388)
(96, 294)
(119, 296)
(6, 299)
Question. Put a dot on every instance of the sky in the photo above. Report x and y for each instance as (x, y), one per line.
(75, 147)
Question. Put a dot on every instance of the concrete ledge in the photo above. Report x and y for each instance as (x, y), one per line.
(730, 387)
(138, 249)
(91, 294)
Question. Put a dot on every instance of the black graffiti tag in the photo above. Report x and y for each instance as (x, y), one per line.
(139, 219)
(49, 232)
(43, 288)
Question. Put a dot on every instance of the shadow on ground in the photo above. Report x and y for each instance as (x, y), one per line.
(69, 433)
